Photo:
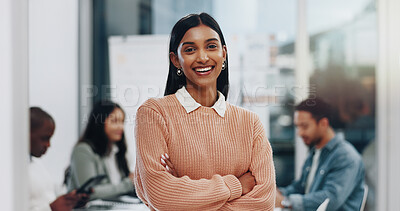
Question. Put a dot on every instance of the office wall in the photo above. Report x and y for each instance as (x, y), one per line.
(53, 74)
(388, 104)
(14, 103)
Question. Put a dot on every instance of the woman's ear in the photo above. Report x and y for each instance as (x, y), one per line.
(224, 50)
(174, 59)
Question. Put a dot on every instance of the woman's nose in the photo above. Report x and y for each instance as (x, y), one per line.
(203, 57)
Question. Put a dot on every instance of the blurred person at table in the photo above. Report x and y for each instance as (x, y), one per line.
(195, 151)
(333, 169)
(102, 150)
(42, 189)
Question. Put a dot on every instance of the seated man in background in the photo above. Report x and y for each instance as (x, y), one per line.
(42, 190)
(333, 169)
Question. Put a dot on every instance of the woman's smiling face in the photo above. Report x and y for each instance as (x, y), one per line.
(200, 56)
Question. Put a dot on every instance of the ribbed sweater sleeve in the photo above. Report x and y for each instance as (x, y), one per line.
(162, 191)
(262, 197)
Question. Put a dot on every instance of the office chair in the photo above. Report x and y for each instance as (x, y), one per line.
(364, 197)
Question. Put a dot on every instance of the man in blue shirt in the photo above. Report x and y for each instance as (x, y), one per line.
(333, 169)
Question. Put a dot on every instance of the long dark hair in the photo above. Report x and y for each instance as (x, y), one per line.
(175, 82)
(96, 137)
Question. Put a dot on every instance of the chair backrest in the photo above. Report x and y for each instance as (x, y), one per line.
(324, 205)
(364, 197)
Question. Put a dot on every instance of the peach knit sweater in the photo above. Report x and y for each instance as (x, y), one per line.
(209, 153)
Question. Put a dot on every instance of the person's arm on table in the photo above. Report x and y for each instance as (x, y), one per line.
(68, 201)
(337, 187)
(84, 165)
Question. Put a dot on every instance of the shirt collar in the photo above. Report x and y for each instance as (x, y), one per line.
(332, 143)
(190, 104)
(114, 149)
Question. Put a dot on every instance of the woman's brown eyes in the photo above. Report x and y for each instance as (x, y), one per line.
(212, 46)
(189, 50)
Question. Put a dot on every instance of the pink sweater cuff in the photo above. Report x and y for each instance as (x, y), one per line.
(234, 186)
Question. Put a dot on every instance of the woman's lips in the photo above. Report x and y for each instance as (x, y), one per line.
(203, 70)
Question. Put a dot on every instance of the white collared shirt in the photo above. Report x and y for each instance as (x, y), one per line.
(41, 186)
(112, 166)
(190, 104)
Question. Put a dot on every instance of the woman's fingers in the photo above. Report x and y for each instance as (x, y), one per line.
(248, 182)
(168, 164)
(163, 162)
(170, 167)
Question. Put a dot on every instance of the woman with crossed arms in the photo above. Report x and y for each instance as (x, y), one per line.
(195, 151)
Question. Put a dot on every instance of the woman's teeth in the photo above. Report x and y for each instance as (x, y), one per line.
(204, 69)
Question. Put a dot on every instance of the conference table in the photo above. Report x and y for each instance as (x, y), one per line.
(121, 203)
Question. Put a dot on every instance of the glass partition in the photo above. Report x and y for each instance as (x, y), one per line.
(343, 48)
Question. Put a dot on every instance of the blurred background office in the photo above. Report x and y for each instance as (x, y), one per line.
(280, 52)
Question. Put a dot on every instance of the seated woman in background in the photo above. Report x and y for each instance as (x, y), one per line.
(102, 151)
(195, 151)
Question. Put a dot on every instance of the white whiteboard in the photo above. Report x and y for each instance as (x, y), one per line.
(138, 71)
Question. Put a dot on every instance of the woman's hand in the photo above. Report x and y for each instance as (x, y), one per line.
(168, 165)
(248, 182)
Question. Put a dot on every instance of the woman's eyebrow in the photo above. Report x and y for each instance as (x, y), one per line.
(192, 43)
(187, 43)
(212, 39)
